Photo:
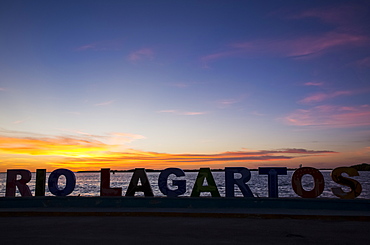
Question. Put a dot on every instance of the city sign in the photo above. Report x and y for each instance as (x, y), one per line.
(18, 178)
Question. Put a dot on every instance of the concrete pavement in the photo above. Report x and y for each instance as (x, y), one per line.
(74, 220)
(179, 230)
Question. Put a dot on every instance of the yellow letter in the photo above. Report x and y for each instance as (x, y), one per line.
(355, 186)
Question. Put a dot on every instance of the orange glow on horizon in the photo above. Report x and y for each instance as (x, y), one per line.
(90, 154)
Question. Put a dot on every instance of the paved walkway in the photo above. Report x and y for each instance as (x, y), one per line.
(140, 221)
(93, 230)
(269, 213)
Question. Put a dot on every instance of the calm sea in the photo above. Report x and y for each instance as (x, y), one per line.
(88, 184)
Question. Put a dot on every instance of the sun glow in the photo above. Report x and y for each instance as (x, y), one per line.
(90, 154)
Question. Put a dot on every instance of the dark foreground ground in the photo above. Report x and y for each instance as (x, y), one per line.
(90, 230)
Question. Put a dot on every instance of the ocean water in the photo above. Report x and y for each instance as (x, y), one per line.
(88, 184)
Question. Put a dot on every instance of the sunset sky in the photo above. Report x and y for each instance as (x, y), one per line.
(86, 85)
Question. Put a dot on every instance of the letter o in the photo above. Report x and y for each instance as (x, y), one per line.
(70, 182)
(318, 180)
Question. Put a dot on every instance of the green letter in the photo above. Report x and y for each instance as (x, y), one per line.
(205, 173)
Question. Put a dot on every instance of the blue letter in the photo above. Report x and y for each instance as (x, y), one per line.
(273, 178)
(70, 182)
(133, 187)
(241, 182)
(162, 182)
(40, 182)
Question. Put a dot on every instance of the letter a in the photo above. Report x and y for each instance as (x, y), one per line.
(133, 187)
(205, 173)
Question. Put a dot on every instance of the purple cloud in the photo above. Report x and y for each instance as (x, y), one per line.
(106, 45)
(321, 96)
(318, 84)
(140, 54)
(365, 62)
(184, 113)
(346, 32)
(330, 116)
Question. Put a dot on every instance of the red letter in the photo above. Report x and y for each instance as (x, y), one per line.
(318, 180)
(105, 189)
(12, 182)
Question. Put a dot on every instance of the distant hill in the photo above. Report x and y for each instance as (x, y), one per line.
(362, 167)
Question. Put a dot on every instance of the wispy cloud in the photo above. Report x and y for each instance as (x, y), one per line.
(345, 32)
(186, 84)
(74, 113)
(60, 146)
(345, 16)
(321, 96)
(329, 116)
(21, 121)
(73, 131)
(83, 144)
(87, 47)
(262, 155)
(227, 102)
(318, 84)
(180, 85)
(307, 45)
(2, 89)
(116, 140)
(105, 103)
(294, 48)
(256, 113)
(185, 113)
(122, 139)
(219, 55)
(106, 45)
(145, 53)
(224, 103)
(365, 62)
(18, 121)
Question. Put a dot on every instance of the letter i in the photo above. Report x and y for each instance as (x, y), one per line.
(40, 182)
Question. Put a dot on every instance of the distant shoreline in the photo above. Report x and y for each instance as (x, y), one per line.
(160, 170)
(358, 167)
(185, 170)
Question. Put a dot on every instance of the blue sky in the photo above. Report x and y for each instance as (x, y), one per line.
(286, 80)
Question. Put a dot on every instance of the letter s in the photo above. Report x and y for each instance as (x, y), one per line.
(355, 186)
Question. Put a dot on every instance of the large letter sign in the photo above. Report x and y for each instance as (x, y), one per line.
(205, 173)
(356, 187)
(235, 177)
(70, 182)
(273, 179)
(12, 182)
(318, 180)
(241, 182)
(162, 182)
(133, 187)
(105, 189)
(40, 182)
